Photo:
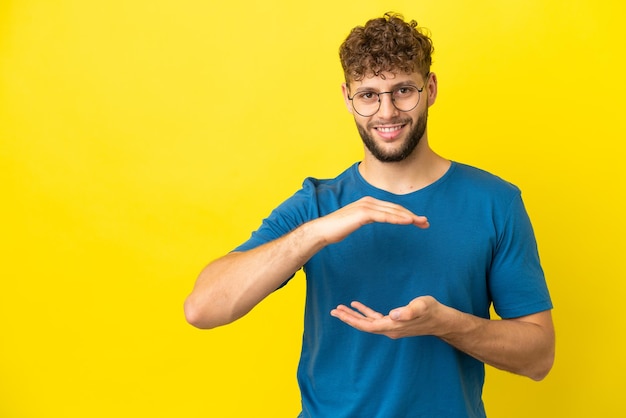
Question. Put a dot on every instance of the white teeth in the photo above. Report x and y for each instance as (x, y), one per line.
(390, 129)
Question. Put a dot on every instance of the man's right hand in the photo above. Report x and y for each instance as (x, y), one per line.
(232, 285)
(341, 223)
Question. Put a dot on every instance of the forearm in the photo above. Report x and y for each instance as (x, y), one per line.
(231, 286)
(523, 346)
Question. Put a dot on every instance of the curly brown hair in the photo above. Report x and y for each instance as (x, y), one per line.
(385, 44)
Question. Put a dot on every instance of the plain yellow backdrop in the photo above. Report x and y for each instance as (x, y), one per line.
(141, 139)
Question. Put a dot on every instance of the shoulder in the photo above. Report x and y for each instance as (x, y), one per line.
(327, 195)
(331, 186)
(478, 180)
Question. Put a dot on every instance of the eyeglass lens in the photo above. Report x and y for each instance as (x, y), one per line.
(405, 99)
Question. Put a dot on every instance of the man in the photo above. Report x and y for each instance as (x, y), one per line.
(425, 283)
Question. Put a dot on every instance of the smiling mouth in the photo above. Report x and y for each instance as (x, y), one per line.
(388, 129)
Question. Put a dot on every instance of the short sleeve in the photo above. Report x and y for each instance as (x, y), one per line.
(516, 279)
(289, 215)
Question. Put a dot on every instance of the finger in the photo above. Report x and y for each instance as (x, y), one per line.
(397, 314)
(421, 222)
(387, 212)
(366, 310)
(351, 317)
(347, 314)
(414, 309)
(360, 322)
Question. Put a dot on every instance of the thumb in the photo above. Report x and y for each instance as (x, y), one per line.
(401, 314)
(413, 310)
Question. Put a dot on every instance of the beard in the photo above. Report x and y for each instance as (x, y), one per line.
(410, 143)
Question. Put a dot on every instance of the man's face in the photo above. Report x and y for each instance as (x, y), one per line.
(390, 135)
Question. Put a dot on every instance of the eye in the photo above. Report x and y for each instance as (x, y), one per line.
(405, 91)
(366, 96)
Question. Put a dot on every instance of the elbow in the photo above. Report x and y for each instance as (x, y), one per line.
(539, 375)
(205, 314)
(196, 316)
(541, 368)
(546, 352)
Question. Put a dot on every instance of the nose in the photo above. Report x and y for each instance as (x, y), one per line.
(387, 108)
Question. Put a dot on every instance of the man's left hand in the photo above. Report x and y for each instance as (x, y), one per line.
(422, 316)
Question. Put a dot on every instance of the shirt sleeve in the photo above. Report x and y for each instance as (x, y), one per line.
(289, 215)
(516, 280)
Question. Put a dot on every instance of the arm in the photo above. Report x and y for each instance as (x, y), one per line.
(231, 286)
(522, 345)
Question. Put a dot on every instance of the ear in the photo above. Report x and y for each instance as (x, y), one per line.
(431, 86)
(344, 90)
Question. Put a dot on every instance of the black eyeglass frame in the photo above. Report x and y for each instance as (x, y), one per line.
(419, 98)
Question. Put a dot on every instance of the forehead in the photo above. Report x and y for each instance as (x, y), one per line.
(386, 81)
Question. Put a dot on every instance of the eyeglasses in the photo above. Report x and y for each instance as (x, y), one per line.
(405, 99)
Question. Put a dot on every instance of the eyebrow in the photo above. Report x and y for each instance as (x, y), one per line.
(392, 88)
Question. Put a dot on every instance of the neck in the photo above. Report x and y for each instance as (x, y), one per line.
(420, 169)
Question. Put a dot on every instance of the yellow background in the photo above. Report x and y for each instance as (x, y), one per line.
(141, 139)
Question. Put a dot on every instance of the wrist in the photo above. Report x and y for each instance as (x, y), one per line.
(454, 324)
(309, 234)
